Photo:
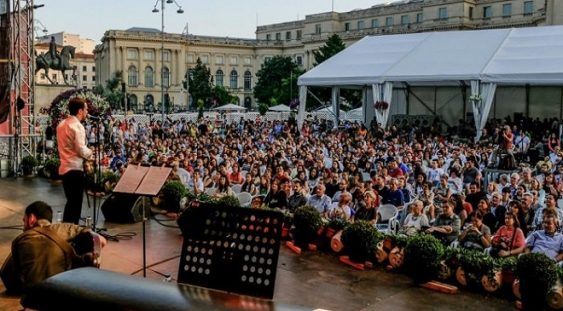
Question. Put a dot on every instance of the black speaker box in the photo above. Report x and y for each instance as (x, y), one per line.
(124, 208)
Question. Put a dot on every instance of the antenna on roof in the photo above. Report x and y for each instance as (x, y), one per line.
(186, 31)
(332, 6)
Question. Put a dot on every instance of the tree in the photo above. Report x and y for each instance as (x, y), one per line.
(271, 78)
(331, 47)
(112, 91)
(221, 95)
(201, 82)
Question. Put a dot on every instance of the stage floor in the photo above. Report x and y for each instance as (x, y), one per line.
(312, 279)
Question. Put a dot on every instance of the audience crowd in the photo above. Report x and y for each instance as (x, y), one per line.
(443, 184)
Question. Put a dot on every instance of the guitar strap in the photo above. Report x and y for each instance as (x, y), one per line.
(64, 245)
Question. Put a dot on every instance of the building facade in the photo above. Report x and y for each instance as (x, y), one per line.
(233, 62)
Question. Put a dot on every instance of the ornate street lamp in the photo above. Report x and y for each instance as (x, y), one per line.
(155, 10)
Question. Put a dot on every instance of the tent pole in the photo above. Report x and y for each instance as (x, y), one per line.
(527, 100)
(435, 99)
(561, 105)
(407, 97)
(463, 99)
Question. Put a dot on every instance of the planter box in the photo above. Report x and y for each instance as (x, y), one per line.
(441, 287)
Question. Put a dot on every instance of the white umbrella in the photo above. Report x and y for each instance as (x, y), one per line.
(280, 108)
(230, 107)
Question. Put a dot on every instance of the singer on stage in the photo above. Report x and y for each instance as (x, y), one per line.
(71, 141)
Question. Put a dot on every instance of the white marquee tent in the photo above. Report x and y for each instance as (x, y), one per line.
(483, 59)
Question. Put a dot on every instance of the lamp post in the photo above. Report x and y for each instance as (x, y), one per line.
(155, 10)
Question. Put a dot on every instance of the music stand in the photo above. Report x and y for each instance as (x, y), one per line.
(143, 181)
(231, 249)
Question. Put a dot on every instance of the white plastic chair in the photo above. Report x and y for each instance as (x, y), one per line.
(244, 198)
(387, 218)
(236, 188)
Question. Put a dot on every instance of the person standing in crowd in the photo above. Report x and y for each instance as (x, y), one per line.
(35, 256)
(71, 143)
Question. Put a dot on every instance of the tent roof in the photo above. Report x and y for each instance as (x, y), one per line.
(280, 108)
(511, 56)
(230, 107)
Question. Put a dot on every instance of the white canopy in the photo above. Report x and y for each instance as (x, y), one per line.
(503, 56)
(480, 58)
(230, 107)
(280, 108)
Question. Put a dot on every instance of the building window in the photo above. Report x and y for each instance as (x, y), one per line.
(93, 68)
(288, 35)
(247, 60)
(298, 34)
(234, 60)
(346, 26)
(443, 13)
(299, 60)
(361, 25)
(166, 77)
(488, 12)
(318, 29)
(247, 80)
(419, 18)
(132, 54)
(132, 76)
(93, 78)
(219, 60)
(405, 20)
(219, 77)
(374, 23)
(389, 21)
(66, 76)
(471, 12)
(506, 10)
(84, 68)
(166, 56)
(54, 76)
(149, 77)
(42, 76)
(268, 37)
(528, 7)
(149, 55)
(84, 78)
(132, 102)
(205, 59)
(234, 79)
(278, 36)
(190, 58)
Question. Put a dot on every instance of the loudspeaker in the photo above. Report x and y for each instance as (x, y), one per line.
(124, 208)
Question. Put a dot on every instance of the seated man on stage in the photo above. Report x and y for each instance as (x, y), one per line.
(35, 256)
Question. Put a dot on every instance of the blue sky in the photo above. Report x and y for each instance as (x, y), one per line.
(90, 18)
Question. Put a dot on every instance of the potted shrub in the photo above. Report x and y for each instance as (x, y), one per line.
(28, 163)
(335, 225)
(473, 265)
(422, 255)
(51, 168)
(307, 221)
(173, 192)
(492, 278)
(449, 262)
(537, 274)
(555, 295)
(360, 241)
(229, 201)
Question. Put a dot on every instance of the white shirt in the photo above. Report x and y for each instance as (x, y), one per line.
(71, 142)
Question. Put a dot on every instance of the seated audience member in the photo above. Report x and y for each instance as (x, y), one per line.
(415, 220)
(299, 196)
(477, 235)
(509, 240)
(276, 198)
(341, 209)
(320, 201)
(547, 241)
(35, 256)
(394, 195)
(446, 227)
(550, 204)
(223, 187)
(367, 208)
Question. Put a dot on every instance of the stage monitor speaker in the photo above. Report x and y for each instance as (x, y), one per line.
(231, 249)
(124, 208)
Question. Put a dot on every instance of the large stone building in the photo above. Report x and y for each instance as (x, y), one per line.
(234, 62)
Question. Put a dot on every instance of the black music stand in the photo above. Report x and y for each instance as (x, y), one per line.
(230, 249)
(143, 181)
